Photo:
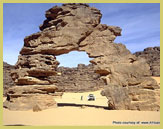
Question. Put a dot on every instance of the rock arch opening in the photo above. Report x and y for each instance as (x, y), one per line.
(73, 58)
(76, 74)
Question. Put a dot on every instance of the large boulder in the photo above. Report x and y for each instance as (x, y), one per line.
(31, 97)
(29, 102)
(143, 96)
(118, 97)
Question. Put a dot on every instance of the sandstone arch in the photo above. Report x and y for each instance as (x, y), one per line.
(77, 27)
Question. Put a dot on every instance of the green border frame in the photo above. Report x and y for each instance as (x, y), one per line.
(71, 1)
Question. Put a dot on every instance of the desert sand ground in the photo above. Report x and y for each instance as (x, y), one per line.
(71, 112)
(157, 79)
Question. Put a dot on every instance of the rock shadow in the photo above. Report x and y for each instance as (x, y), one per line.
(80, 105)
(17, 125)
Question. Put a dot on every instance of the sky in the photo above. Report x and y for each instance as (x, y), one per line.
(140, 25)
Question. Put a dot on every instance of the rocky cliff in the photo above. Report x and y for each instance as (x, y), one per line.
(78, 79)
(77, 27)
(7, 80)
(152, 56)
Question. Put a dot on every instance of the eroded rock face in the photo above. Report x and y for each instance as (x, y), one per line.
(77, 27)
(31, 97)
(152, 56)
(118, 98)
(29, 102)
(142, 96)
(83, 32)
(7, 80)
(78, 79)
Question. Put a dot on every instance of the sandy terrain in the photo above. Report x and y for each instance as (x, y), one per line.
(77, 116)
(71, 112)
(157, 79)
(70, 98)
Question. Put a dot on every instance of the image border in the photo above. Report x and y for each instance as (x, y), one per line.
(73, 1)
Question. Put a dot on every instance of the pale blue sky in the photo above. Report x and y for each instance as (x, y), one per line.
(140, 25)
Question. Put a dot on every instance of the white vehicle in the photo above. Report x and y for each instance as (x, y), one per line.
(91, 97)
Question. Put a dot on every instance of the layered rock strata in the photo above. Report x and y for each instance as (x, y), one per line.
(31, 96)
(142, 97)
(77, 27)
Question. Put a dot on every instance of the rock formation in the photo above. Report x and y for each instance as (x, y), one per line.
(7, 80)
(142, 97)
(31, 96)
(77, 27)
(78, 79)
(152, 56)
